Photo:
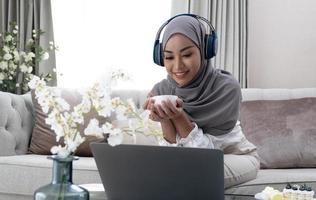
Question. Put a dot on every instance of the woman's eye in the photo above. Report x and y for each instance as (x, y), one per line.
(187, 55)
(168, 58)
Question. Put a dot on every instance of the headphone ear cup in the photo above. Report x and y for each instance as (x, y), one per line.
(210, 45)
(157, 55)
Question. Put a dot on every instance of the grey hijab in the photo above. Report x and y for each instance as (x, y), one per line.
(212, 99)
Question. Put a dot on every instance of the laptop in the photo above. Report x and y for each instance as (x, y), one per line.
(143, 172)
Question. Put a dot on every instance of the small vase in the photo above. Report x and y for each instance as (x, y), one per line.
(61, 187)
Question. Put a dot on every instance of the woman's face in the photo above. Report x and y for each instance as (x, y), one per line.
(182, 59)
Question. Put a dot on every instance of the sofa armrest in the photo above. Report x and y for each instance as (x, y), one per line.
(16, 123)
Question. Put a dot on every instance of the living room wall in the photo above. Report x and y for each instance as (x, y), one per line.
(282, 43)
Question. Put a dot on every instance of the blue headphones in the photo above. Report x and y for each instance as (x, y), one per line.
(210, 40)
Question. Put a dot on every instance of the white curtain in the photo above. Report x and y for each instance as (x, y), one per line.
(101, 36)
(229, 18)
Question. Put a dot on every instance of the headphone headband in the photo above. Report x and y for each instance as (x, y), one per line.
(183, 14)
(210, 40)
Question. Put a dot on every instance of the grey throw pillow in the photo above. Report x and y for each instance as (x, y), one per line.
(284, 131)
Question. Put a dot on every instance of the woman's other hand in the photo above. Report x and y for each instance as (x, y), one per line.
(169, 110)
(148, 102)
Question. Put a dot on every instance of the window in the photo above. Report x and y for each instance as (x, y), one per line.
(95, 36)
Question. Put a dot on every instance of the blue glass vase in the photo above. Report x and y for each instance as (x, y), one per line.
(61, 187)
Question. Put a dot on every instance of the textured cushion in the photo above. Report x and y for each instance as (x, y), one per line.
(43, 138)
(16, 123)
(284, 131)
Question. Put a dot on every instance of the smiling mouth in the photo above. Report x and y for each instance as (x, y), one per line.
(180, 75)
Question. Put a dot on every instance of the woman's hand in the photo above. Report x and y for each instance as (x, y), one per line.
(148, 101)
(150, 105)
(169, 111)
(176, 115)
(166, 111)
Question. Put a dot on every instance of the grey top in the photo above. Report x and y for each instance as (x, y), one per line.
(212, 99)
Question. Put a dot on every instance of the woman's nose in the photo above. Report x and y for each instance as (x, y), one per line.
(178, 63)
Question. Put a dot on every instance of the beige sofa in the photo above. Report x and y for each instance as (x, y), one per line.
(21, 173)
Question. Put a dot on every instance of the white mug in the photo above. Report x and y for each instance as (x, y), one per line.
(158, 99)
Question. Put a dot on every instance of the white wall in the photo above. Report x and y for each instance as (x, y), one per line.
(282, 43)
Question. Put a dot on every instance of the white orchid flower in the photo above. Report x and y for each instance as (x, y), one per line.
(107, 127)
(120, 113)
(43, 96)
(55, 149)
(7, 56)
(6, 49)
(131, 105)
(79, 139)
(93, 129)
(12, 66)
(8, 38)
(45, 56)
(22, 53)
(60, 151)
(72, 145)
(85, 105)
(115, 137)
(116, 101)
(63, 104)
(16, 56)
(34, 82)
(77, 117)
(29, 70)
(29, 56)
(106, 108)
(55, 125)
(70, 120)
(23, 68)
(3, 65)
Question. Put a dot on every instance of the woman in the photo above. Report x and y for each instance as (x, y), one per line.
(207, 109)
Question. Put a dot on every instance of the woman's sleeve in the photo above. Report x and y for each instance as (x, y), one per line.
(227, 142)
(196, 138)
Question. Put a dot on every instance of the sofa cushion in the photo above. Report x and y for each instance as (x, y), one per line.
(19, 170)
(43, 137)
(273, 178)
(284, 131)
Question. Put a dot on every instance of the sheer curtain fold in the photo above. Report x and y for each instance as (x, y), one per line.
(29, 15)
(230, 21)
